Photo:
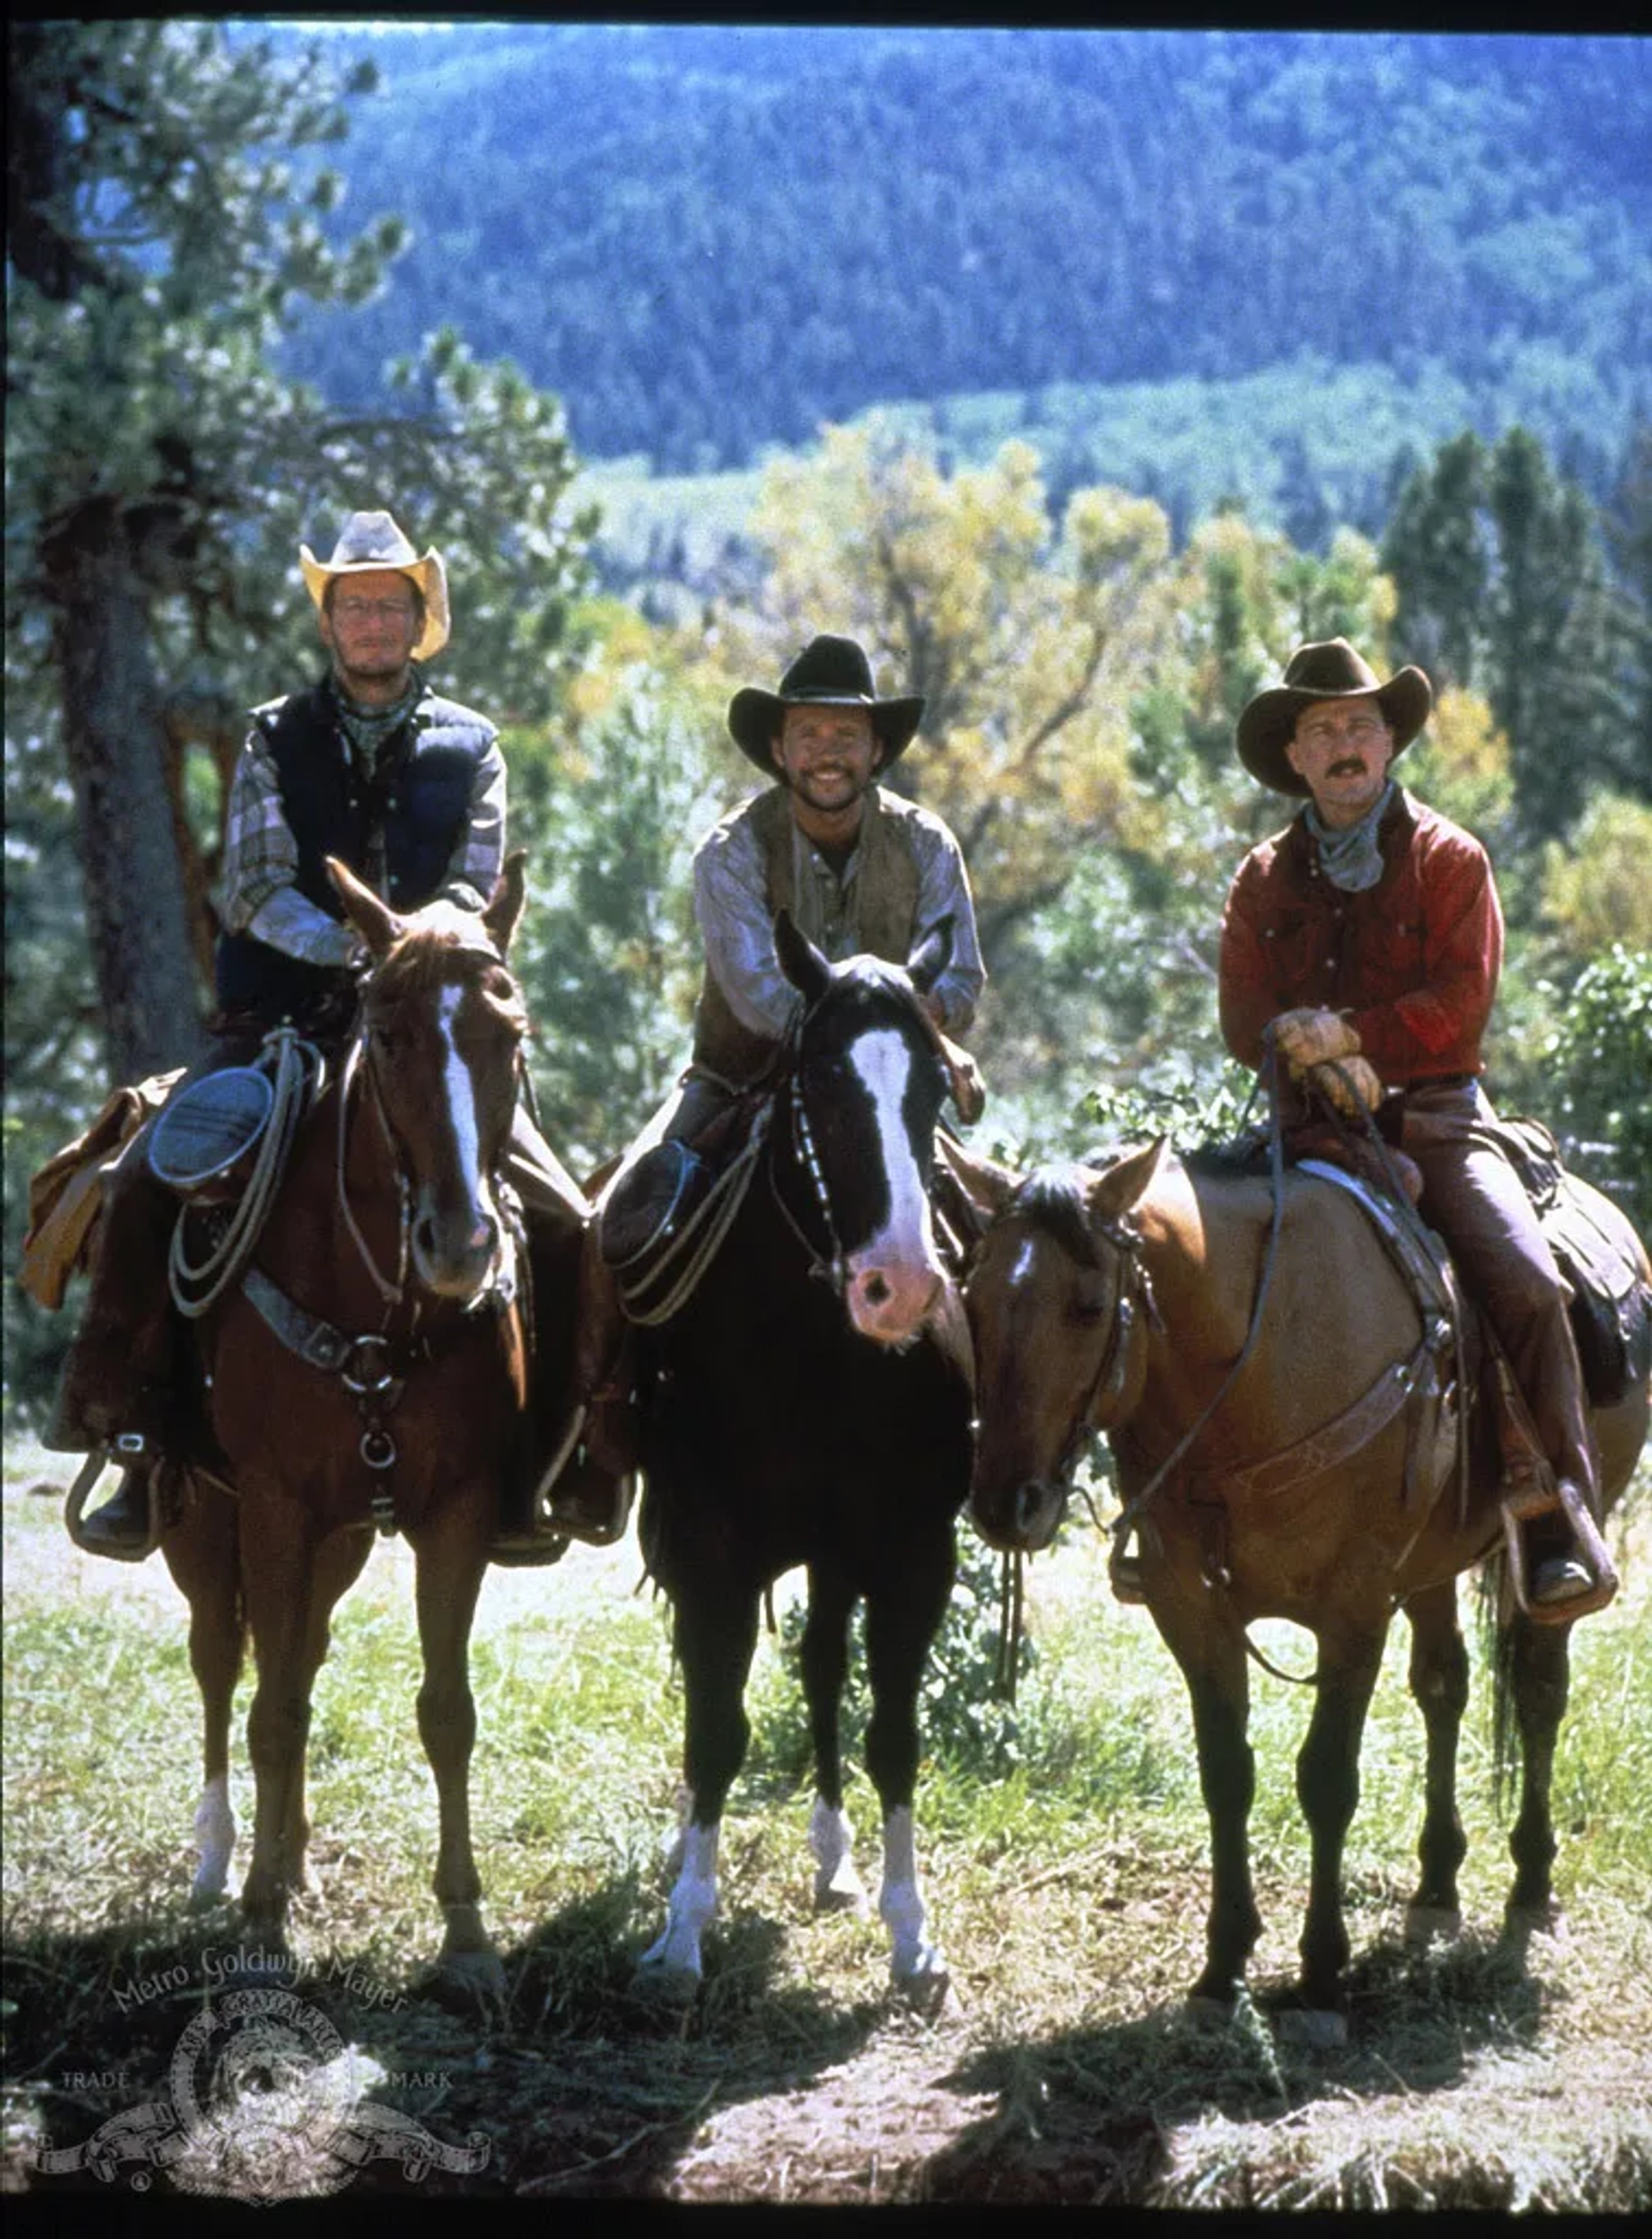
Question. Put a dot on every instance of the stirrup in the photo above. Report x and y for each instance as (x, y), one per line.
(1124, 1573)
(1589, 1549)
(81, 1490)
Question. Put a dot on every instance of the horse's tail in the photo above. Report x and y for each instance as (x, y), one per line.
(1496, 1614)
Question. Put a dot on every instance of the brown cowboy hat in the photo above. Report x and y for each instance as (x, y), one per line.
(1330, 670)
(372, 540)
(830, 671)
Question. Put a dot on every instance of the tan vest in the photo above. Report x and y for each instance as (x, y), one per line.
(882, 916)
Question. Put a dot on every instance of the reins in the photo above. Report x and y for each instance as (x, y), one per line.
(702, 1233)
(390, 1293)
(1138, 1504)
(373, 1365)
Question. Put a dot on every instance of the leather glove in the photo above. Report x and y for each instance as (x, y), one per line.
(1351, 1084)
(1311, 1037)
(969, 1089)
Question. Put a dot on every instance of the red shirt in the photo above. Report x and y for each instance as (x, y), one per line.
(1414, 959)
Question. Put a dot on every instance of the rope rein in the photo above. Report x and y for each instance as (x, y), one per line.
(390, 1293)
(1137, 1507)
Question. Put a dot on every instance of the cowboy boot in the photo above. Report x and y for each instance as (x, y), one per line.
(1572, 1570)
(590, 1496)
(128, 1527)
(577, 1475)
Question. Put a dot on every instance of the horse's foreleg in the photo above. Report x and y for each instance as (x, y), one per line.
(716, 1635)
(451, 1562)
(1328, 1789)
(901, 1626)
(1439, 1682)
(1539, 1669)
(200, 1551)
(339, 1560)
(277, 1576)
(1210, 1652)
(824, 1658)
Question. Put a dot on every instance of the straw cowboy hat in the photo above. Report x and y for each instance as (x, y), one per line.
(1328, 670)
(372, 540)
(830, 671)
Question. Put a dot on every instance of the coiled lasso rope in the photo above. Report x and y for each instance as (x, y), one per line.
(197, 1286)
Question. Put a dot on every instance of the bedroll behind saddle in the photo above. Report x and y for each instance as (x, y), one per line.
(66, 1194)
(1611, 1304)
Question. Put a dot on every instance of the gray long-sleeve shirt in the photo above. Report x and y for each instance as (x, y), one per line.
(731, 906)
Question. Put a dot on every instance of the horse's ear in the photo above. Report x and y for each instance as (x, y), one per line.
(801, 961)
(933, 954)
(375, 921)
(505, 903)
(1124, 1184)
(983, 1181)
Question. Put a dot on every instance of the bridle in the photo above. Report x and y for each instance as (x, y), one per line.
(374, 1365)
(832, 1267)
(1131, 1312)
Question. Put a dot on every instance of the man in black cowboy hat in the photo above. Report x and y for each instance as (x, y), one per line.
(407, 787)
(1368, 937)
(860, 870)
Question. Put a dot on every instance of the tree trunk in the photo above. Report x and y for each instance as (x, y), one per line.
(116, 744)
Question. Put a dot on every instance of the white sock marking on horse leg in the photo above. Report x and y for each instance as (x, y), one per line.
(214, 1836)
(912, 1957)
(673, 1855)
(691, 1903)
(832, 1841)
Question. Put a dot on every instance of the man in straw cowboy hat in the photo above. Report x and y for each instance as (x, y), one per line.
(859, 869)
(368, 764)
(1368, 937)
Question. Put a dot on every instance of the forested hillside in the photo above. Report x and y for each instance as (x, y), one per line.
(1085, 580)
(706, 239)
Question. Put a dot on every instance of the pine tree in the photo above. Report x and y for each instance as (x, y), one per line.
(154, 243)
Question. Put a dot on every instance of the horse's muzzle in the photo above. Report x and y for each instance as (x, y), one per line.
(1019, 1520)
(454, 1260)
(890, 1301)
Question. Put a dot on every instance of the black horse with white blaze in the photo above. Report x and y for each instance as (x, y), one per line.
(810, 1405)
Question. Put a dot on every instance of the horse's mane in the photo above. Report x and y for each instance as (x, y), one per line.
(1056, 1198)
(1245, 1154)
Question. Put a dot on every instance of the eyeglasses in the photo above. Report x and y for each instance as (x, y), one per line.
(1359, 730)
(378, 610)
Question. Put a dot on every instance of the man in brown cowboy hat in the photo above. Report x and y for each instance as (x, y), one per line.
(1368, 937)
(860, 870)
(407, 787)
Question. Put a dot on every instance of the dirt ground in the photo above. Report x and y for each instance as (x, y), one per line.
(773, 2098)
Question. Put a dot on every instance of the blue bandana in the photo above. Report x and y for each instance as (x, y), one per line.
(1351, 858)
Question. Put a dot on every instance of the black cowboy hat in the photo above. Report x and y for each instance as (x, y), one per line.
(830, 671)
(1328, 670)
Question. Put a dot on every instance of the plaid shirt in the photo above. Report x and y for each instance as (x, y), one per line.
(257, 893)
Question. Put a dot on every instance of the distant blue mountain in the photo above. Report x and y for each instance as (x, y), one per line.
(711, 238)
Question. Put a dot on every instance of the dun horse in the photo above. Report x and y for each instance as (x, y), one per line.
(1119, 1300)
(369, 1365)
(810, 1405)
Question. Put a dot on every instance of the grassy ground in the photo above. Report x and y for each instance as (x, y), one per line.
(1069, 1892)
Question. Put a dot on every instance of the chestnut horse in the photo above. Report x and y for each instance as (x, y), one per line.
(368, 1368)
(1118, 1300)
(809, 1403)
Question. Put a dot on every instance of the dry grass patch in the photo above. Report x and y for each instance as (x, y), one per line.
(1069, 1894)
